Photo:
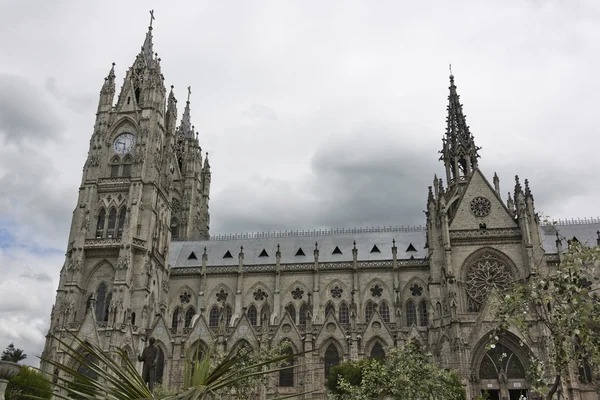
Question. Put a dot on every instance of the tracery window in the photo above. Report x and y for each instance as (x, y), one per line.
(252, 314)
(189, 315)
(377, 351)
(102, 303)
(115, 166)
(175, 319)
(423, 315)
(126, 167)
(228, 313)
(411, 313)
(501, 358)
(213, 318)
(332, 358)
(369, 310)
(344, 314)
(486, 273)
(292, 311)
(303, 314)
(384, 311)
(286, 376)
(121, 223)
(265, 314)
(329, 308)
(174, 228)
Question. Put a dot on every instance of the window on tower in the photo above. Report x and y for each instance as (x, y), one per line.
(100, 224)
(112, 222)
(121, 222)
(115, 166)
(174, 229)
(127, 167)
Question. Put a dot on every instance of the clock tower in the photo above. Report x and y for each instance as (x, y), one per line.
(143, 182)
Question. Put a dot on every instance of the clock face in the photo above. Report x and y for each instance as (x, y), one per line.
(124, 143)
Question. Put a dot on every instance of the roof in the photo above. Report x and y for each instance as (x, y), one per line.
(372, 244)
(584, 230)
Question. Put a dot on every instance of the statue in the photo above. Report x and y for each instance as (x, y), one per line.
(150, 358)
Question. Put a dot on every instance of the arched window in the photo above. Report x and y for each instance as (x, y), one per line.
(196, 357)
(411, 313)
(303, 314)
(329, 308)
(228, 314)
(501, 358)
(423, 315)
(115, 165)
(107, 307)
(138, 93)
(174, 229)
(213, 318)
(377, 351)
(133, 319)
(126, 167)
(112, 222)
(369, 310)
(88, 304)
(83, 369)
(121, 222)
(332, 358)
(100, 302)
(265, 313)
(384, 311)
(100, 224)
(175, 318)
(286, 376)
(344, 314)
(290, 309)
(189, 315)
(252, 314)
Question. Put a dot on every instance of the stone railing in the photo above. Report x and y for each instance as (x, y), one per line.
(572, 221)
(102, 242)
(476, 233)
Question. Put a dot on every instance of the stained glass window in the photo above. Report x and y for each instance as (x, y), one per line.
(369, 310)
(411, 313)
(344, 314)
(384, 311)
(252, 314)
(332, 358)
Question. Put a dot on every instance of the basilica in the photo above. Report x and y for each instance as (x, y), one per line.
(140, 261)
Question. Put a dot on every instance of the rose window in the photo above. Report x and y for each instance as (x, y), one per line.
(297, 293)
(222, 295)
(485, 274)
(185, 297)
(376, 291)
(336, 292)
(260, 295)
(416, 290)
(480, 206)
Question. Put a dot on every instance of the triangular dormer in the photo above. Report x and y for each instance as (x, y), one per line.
(300, 252)
(228, 254)
(375, 249)
(337, 250)
(263, 253)
(192, 256)
(411, 248)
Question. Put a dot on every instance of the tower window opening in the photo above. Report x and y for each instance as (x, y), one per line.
(100, 224)
(112, 221)
(121, 222)
(138, 92)
(128, 100)
(127, 167)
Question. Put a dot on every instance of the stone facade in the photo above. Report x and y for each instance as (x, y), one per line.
(140, 261)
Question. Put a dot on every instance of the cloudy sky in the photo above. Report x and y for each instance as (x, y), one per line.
(315, 113)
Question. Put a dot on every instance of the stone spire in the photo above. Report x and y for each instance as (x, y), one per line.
(107, 93)
(185, 129)
(206, 168)
(147, 51)
(459, 151)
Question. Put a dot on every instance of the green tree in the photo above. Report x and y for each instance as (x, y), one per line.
(13, 354)
(28, 383)
(406, 373)
(351, 372)
(562, 303)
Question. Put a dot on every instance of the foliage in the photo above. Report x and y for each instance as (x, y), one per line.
(561, 304)
(28, 383)
(113, 377)
(351, 372)
(407, 374)
(161, 392)
(13, 354)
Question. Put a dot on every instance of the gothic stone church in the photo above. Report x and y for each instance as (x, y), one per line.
(140, 261)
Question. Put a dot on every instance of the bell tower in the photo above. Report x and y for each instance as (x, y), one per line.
(115, 279)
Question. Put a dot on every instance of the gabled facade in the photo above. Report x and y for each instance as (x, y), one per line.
(140, 261)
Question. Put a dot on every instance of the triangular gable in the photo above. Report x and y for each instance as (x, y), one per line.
(88, 328)
(243, 331)
(378, 328)
(327, 332)
(414, 333)
(160, 330)
(280, 333)
(127, 101)
(200, 330)
(478, 186)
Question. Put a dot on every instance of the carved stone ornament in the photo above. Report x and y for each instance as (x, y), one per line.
(185, 297)
(483, 275)
(336, 292)
(480, 206)
(297, 293)
(376, 291)
(260, 295)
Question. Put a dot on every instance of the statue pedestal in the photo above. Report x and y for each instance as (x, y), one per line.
(7, 371)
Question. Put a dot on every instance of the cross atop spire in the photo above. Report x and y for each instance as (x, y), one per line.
(151, 18)
(189, 93)
(147, 51)
(459, 151)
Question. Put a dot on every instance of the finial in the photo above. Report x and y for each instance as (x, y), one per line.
(451, 74)
(189, 93)
(172, 87)
(241, 248)
(355, 245)
(204, 249)
(316, 246)
(527, 190)
(277, 247)
(151, 18)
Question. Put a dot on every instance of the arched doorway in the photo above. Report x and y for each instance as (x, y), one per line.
(501, 373)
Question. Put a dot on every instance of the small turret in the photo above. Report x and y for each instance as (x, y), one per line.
(107, 93)
(171, 117)
(185, 129)
(510, 204)
(497, 184)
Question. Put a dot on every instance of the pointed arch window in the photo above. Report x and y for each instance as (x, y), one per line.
(332, 358)
(101, 294)
(290, 309)
(423, 314)
(213, 318)
(132, 319)
(228, 314)
(252, 314)
(344, 314)
(189, 315)
(286, 376)
(100, 224)
(369, 310)
(411, 313)
(126, 167)
(265, 313)
(377, 351)
(329, 308)
(107, 307)
(112, 222)
(88, 303)
(174, 229)
(384, 311)
(115, 166)
(175, 319)
(121, 223)
(196, 357)
(303, 314)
